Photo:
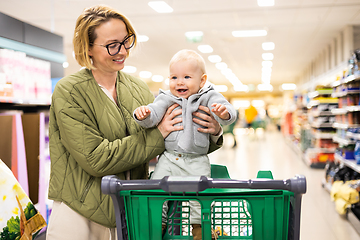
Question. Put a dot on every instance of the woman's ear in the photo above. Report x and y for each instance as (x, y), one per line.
(203, 80)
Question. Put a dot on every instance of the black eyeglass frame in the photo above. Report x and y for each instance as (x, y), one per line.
(121, 44)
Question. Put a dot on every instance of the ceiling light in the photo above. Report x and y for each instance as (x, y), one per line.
(145, 74)
(266, 70)
(221, 88)
(205, 48)
(226, 71)
(194, 36)
(249, 33)
(268, 56)
(266, 79)
(241, 88)
(258, 103)
(129, 69)
(157, 78)
(142, 38)
(266, 3)
(214, 58)
(65, 64)
(288, 86)
(241, 103)
(221, 65)
(267, 63)
(265, 87)
(268, 46)
(160, 6)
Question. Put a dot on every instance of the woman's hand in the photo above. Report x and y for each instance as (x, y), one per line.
(208, 121)
(166, 126)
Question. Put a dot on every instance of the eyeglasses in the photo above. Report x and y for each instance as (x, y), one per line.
(115, 47)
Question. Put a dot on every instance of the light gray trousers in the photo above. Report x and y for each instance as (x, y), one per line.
(180, 164)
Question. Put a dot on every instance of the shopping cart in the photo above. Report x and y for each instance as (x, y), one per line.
(261, 208)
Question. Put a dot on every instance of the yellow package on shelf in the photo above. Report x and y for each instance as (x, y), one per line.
(19, 219)
(327, 100)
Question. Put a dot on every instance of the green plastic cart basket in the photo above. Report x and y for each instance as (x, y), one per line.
(258, 209)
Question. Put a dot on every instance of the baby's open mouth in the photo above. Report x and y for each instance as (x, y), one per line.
(182, 90)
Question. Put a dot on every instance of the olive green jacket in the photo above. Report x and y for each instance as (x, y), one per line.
(91, 137)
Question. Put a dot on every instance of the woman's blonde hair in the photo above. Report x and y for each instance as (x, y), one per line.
(185, 55)
(84, 34)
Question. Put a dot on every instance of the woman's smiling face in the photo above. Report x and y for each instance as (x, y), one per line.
(186, 78)
(111, 31)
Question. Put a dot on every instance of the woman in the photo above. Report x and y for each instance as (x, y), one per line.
(92, 132)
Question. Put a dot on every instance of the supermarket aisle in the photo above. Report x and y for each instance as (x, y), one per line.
(270, 151)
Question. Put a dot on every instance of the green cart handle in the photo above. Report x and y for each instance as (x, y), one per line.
(112, 184)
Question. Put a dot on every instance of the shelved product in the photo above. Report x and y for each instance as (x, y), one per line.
(347, 125)
(321, 120)
(28, 62)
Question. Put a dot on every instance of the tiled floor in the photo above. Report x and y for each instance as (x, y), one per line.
(270, 151)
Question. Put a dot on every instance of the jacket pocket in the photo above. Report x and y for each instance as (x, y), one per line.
(86, 189)
(200, 139)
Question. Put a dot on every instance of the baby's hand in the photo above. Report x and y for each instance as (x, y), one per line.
(220, 111)
(142, 112)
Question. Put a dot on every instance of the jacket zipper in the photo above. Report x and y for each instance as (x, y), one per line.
(86, 190)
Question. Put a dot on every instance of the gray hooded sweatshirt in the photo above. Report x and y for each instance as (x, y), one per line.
(189, 140)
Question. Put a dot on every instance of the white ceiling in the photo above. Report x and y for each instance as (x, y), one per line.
(300, 29)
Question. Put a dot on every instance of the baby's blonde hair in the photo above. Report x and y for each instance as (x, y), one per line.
(185, 55)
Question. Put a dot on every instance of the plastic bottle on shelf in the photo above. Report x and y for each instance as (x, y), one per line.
(357, 152)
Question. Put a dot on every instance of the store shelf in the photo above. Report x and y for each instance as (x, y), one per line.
(339, 111)
(343, 141)
(324, 135)
(344, 93)
(345, 125)
(350, 163)
(355, 136)
(321, 125)
(322, 113)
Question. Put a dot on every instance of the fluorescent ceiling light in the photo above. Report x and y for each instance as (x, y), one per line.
(241, 103)
(266, 70)
(194, 36)
(258, 103)
(266, 3)
(221, 65)
(221, 88)
(268, 56)
(226, 71)
(242, 88)
(288, 86)
(214, 58)
(160, 6)
(249, 33)
(157, 78)
(145, 74)
(268, 46)
(267, 63)
(129, 69)
(142, 38)
(205, 48)
(265, 87)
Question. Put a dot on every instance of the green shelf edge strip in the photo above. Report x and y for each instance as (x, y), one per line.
(32, 50)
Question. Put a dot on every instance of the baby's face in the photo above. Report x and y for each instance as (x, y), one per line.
(185, 78)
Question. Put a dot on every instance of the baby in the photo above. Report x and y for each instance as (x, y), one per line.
(186, 150)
